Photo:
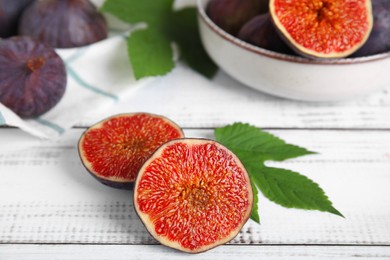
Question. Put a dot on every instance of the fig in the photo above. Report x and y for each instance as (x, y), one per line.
(114, 149)
(63, 23)
(261, 32)
(32, 76)
(379, 40)
(231, 15)
(10, 11)
(323, 28)
(193, 195)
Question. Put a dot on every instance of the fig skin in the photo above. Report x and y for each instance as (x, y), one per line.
(261, 32)
(32, 76)
(231, 15)
(379, 39)
(64, 23)
(10, 11)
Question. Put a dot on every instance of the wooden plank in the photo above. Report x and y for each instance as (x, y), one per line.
(145, 252)
(202, 103)
(46, 196)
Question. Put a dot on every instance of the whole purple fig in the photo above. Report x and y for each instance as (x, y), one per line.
(32, 76)
(63, 23)
(379, 40)
(10, 11)
(231, 15)
(261, 32)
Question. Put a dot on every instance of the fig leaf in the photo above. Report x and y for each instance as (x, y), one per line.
(150, 54)
(185, 34)
(287, 188)
(255, 210)
(150, 49)
(292, 190)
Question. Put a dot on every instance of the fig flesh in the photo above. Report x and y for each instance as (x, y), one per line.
(323, 28)
(10, 11)
(114, 149)
(63, 23)
(261, 32)
(379, 40)
(32, 76)
(193, 195)
(231, 15)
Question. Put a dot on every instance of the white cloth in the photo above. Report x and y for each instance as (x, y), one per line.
(98, 76)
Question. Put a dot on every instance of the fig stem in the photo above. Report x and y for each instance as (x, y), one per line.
(34, 64)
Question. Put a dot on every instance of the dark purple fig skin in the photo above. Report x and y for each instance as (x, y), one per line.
(114, 184)
(64, 23)
(261, 32)
(231, 15)
(32, 76)
(379, 40)
(10, 11)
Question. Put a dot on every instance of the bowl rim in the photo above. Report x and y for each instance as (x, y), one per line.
(280, 56)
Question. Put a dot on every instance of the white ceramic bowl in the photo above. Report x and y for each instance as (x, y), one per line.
(290, 76)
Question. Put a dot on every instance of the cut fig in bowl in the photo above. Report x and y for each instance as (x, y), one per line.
(114, 149)
(323, 28)
(291, 76)
(193, 195)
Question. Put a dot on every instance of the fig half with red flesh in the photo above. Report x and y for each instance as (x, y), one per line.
(114, 149)
(323, 28)
(193, 195)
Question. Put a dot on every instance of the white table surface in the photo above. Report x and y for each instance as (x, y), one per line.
(51, 208)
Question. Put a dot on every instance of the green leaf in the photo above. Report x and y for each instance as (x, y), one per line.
(150, 49)
(150, 53)
(244, 137)
(292, 190)
(153, 12)
(284, 187)
(185, 34)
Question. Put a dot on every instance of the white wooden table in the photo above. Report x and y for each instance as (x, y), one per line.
(50, 208)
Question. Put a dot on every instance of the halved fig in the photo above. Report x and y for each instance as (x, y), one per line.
(193, 195)
(323, 28)
(114, 149)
